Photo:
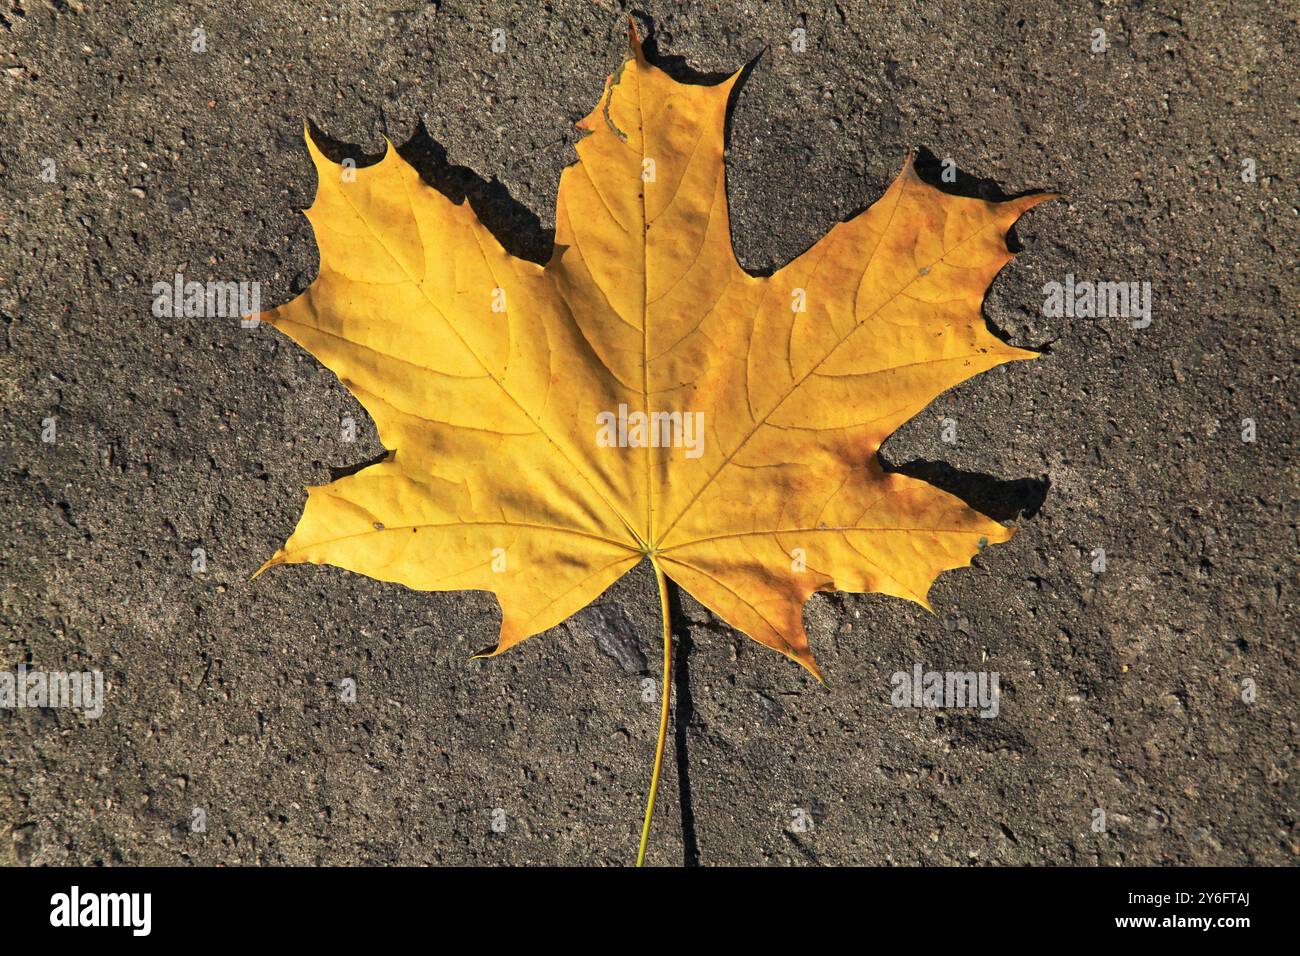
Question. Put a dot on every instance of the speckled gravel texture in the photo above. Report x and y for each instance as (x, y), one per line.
(1122, 690)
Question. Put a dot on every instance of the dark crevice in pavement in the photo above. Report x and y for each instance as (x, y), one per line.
(681, 726)
(804, 851)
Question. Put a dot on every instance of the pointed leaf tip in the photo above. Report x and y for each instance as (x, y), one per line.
(634, 40)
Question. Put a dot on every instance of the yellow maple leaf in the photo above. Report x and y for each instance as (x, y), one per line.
(641, 395)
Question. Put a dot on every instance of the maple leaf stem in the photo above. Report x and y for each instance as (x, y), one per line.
(665, 695)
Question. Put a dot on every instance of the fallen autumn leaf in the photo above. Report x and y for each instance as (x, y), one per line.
(641, 396)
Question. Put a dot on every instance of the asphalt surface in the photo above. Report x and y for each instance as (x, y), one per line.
(1126, 691)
